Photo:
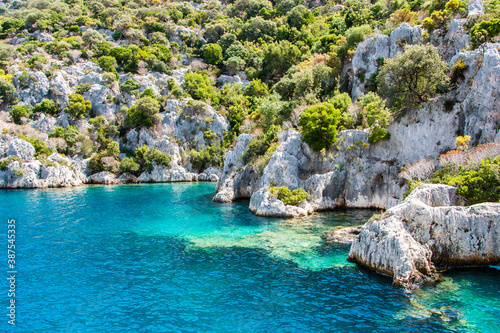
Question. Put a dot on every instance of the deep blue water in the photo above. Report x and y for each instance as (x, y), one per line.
(164, 258)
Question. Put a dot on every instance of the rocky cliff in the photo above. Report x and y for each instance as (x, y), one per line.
(428, 232)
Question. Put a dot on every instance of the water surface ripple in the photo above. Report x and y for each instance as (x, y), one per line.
(164, 258)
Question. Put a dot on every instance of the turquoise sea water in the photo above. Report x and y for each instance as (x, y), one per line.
(164, 258)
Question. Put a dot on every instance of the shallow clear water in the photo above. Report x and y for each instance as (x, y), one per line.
(164, 258)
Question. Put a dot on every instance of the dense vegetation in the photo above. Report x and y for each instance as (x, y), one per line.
(292, 52)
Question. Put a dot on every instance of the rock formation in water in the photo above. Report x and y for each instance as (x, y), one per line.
(428, 232)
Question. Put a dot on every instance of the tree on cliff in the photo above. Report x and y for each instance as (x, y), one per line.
(413, 77)
(319, 125)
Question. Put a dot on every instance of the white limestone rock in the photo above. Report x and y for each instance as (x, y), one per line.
(475, 8)
(161, 174)
(262, 203)
(45, 124)
(365, 60)
(427, 231)
(237, 180)
(104, 177)
(22, 149)
(226, 79)
(211, 174)
(37, 90)
(480, 92)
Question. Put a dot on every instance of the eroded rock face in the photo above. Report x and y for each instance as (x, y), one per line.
(22, 149)
(237, 180)
(366, 59)
(427, 231)
(62, 172)
(479, 96)
(161, 174)
(263, 203)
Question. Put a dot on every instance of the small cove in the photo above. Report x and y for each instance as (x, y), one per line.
(165, 258)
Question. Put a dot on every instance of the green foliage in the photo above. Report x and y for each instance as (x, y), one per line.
(145, 113)
(259, 144)
(234, 64)
(257, 88)
(319, 125)
(457, 72)
(4, 163)
(129, 85)
(83, 88)
(92, 37)
(7, 90)
(209, 156)
(484, 32)
(200, 86)
(314, 80)
(146, 156)
(292, 198)
(69, 134)
(19, 111)
(78, 107)
(278, 58)
(128, 164)
(40, 146)
(299, 16)
(47, 106)
(413, 77)
(212, 53)
(107, 63)
(475, 184)
(480, 184)
(377, 115)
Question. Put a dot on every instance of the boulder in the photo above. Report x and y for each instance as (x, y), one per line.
(22, 149)
(426, 232)
(262, 203)
(104, 177)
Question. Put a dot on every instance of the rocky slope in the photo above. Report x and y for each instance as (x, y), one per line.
(428, 232)
(362, 175)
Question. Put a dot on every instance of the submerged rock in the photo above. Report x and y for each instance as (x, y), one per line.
(343, 235)
(428, 231)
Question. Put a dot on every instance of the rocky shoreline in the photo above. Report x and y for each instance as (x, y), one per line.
(428, 232)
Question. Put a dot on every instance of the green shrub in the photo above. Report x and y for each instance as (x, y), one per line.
(481, 184)
(47, 106)
(200, 86)
(7, 90)
(147, 156)
(212, 53)
(145, 113)
(107, 63)
(319, 125)
(457, 71)
(292, 198)
(413, 77)
(259, 144)
(83, 88)
(484, 32)
(210, 156)
(129, 85)
(377, 115)
(19, 111)
(78, 107)
(8, 160)
(40, 145)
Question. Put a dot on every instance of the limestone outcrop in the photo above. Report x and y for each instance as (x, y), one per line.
(237, 180)
(56, 172)
(427, 232)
